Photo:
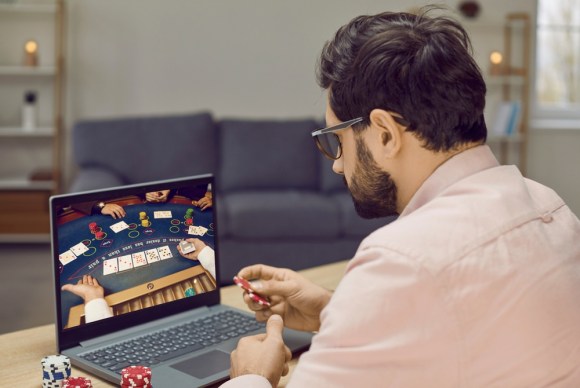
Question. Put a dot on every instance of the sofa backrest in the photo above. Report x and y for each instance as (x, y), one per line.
(267, 154)
(148, 148)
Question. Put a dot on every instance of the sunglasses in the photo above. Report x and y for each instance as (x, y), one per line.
(327, 140)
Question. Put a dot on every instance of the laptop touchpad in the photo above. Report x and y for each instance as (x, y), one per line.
(204, 365)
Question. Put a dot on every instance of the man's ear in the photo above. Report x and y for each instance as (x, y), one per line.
(388, 131)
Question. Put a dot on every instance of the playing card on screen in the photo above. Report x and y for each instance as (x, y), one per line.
(165, 252)
(162, 214)
(152, 256)
(110, 266)
(79, 249)
(139, 259)
(119, 226)
(125, 263)
(66, 257)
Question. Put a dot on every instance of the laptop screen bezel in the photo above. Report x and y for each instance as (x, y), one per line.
(67, 338)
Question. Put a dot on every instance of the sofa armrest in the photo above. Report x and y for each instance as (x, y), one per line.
(93, 178)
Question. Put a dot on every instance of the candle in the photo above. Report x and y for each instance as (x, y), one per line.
(31, 53)
(496, 59)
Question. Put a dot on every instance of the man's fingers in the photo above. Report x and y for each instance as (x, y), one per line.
(258, 271)
(275, 326)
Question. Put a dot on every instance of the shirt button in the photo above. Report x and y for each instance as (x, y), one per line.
(546, 218)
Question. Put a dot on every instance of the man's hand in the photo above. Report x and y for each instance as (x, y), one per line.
(197, 243)
(262, 354)
(298, 301)
(204, 203)
(157, 196)
(113, 210)
(87, 288)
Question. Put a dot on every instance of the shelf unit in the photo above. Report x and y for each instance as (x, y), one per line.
(30, 160)
(514, 84)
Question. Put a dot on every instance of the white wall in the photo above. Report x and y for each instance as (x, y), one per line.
(252, 58)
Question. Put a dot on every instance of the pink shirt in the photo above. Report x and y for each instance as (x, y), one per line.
(477, 284)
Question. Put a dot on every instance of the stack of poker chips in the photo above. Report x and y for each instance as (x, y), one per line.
(93, 227)
(77, 382)
(136, 376)
(189, 217)
(100, 235)
(55, 369)
(144, 219)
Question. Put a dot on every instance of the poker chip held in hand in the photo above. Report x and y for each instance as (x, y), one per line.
(136, 376)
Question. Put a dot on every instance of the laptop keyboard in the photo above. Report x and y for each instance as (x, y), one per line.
(160, 346)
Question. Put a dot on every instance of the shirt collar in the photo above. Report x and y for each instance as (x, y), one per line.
(454, 169)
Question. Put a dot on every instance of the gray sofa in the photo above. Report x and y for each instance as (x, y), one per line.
(279, 202)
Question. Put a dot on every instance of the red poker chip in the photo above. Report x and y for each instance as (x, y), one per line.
(77, 382)
(137, 370)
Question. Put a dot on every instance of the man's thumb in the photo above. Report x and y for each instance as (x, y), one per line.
(275, 326)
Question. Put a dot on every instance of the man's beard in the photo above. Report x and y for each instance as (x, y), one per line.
(373, 192)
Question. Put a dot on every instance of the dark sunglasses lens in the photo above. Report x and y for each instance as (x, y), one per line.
(329, 145)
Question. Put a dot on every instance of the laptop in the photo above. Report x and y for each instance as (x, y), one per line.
(132, 297)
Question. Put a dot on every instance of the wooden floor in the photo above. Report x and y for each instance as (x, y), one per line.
(26, 294)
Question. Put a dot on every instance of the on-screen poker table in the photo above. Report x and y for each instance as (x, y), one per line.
(73, 228)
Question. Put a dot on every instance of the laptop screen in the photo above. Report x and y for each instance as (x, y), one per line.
(132, 254)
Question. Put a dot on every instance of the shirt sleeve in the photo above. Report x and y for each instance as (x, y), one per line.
(245, 381)
(207, 259)
(97, 309)
(385, 325)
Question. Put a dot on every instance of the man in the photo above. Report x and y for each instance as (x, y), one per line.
(476, 284)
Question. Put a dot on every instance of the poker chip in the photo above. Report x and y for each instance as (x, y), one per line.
(77, 382)
(136, 376)
(55, 369)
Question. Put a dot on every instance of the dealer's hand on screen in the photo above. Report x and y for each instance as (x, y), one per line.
(114, 211)
(157, 196)
(87, 288)
(198, 244)
(262, 354)
(297, 300)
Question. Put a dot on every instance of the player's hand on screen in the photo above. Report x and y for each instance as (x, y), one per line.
(114, 211)
(297, 300)
(197, 243)
(204, 203)
(157, 196)
(87, 288)
(262, 354)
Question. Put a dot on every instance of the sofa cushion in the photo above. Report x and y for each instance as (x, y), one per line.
(261, 154)
(353, 225)
(280, 214)
(148, 148)
(94, 178)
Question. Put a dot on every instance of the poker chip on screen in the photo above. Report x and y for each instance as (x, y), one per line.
(55, 369)
(136, 376)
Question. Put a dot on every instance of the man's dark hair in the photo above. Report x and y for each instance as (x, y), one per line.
(417, 66)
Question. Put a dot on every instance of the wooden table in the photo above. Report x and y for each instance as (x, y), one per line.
(21, 351)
